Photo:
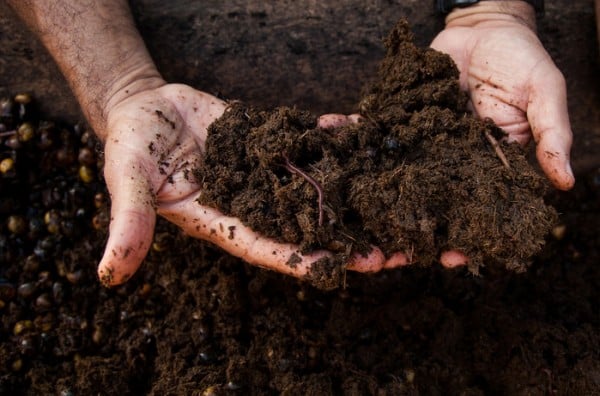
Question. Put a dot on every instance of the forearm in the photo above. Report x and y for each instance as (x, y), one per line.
(490, 12)
(97, 47)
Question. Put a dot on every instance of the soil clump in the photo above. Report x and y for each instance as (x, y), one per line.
(417, 175)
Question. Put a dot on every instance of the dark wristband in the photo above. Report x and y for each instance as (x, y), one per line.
(445, 6)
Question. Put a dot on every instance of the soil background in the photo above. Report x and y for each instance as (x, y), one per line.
(197, 321)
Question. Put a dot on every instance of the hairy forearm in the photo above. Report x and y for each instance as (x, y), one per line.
(97, 47)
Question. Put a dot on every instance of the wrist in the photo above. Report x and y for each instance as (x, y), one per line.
(125, 85)
(492, 13)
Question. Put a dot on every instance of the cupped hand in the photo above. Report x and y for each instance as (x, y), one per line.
(154, 140)
(511, 79)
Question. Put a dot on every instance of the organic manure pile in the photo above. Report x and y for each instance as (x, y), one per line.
(418, 175)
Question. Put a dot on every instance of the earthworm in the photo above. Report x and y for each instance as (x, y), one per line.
(294, 169)
(497, 149)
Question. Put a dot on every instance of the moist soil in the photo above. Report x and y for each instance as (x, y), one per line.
(196, 321)
(418, 175)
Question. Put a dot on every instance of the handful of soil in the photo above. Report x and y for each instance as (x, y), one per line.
(419, 175)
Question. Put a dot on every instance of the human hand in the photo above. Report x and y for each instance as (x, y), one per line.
(153, 133)
(512, 79)
(153, 141)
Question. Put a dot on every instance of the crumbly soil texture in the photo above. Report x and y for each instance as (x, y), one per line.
(197, 321)
(417, 175)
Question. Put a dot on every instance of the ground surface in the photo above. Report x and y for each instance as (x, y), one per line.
(196, 321)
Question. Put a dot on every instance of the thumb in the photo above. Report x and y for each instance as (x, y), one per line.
(549, 119)
(132, 221)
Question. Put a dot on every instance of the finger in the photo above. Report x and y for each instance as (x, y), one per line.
(371, 262)
(233, 236)
(453, 259)
(397, 260)
(549, 119)
(330, 121)
(355, 118)
(237, 239)
(132, 222)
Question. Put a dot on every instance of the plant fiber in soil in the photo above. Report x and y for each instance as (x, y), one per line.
(196, 321)
(417, 175)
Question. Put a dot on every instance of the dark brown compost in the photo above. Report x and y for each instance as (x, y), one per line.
(418, 175)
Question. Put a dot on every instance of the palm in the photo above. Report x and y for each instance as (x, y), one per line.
(153, 140)
(511, 79)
